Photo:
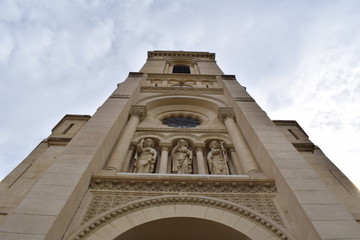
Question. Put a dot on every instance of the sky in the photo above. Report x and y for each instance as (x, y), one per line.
(300, 60)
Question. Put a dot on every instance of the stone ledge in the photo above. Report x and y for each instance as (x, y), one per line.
(182, 183)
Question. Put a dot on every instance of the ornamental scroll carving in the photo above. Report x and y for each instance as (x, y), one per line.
(138, 111)
(278, 231)
(225, 112)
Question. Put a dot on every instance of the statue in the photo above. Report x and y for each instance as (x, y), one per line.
(181, 158)
(217, 158)
(145, 157)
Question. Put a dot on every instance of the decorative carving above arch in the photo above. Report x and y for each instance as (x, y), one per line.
(218, 204)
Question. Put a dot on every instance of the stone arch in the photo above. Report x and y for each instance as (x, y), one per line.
(205, 137)
(158, 136)
(217, 101)
(118, 220)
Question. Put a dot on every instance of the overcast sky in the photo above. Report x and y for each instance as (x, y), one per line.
(300, 60)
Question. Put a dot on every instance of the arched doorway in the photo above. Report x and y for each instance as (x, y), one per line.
(182, 228)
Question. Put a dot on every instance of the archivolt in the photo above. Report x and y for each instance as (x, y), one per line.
(135, 209)
(146, 100)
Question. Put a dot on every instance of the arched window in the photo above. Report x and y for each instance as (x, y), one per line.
(181, 69)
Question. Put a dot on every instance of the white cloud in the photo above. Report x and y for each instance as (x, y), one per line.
(298, 59)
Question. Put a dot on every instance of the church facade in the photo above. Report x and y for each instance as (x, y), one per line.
(179, 150)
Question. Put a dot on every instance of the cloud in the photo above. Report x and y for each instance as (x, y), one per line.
(299, 60)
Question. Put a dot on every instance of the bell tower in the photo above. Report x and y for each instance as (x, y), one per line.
(179, 150)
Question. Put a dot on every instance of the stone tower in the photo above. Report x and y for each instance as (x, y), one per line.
(178, 151)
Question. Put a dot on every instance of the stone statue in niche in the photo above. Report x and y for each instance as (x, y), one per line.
(181, 158)
(145, 157)
(217, 158)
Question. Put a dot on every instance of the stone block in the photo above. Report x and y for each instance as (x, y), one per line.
(137, 217)
(40, 206)
(27, 224)
(17, 236)
(259, 233)
(338, 229)
(107, 231)
(327, 212)
(122, 224)
(316, 197)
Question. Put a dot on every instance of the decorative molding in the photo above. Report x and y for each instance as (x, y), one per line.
(171, 184)
(304, 147)
(116, 95)
(244, 99)
(228, 77)
(193, 130)
(152, 54)
(224, 113)
(136, 74)
(152, 89)
(181, 77)
(243, 211)
(183, 94)
(58, 141)
(165, 146)
(138, 111)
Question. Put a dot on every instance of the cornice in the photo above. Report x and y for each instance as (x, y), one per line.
(183, 54)
(152, 89)
(194, 183)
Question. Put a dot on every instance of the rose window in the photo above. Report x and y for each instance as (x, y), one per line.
(181, 122)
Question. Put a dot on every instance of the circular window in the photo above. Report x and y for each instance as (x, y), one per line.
(181, 122)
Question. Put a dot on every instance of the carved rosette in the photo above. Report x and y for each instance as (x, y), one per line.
(225, 112)
(138, 111)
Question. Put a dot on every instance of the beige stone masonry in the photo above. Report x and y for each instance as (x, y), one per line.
(51, 213)
(295, 194)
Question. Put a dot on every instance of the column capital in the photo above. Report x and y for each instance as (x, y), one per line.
(138, 111)
(225, 112)
(165, 146)
(199, 147)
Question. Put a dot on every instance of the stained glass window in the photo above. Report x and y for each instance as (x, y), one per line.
(181, 122)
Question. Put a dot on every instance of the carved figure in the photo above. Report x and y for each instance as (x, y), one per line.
(145, 157)
(182, 158)
(217, 158)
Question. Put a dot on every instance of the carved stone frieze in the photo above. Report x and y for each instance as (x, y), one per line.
(152, 89)
(107, 216)
(183, 185)
(102, 202)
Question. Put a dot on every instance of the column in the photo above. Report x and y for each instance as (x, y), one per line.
(248, 162)
(199, 149)
(236, 160)
(165, 149)
(137, 113)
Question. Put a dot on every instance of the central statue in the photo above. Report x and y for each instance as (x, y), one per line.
(182, 158)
